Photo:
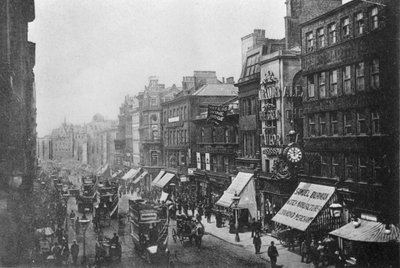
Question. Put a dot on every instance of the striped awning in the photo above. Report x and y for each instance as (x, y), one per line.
(140, 177)
(130, 174)
(159, 176)
(165, 180)
(367, 231)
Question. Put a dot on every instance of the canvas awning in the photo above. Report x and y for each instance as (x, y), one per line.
(159, 176)
(304, 205)
(367, 231)
(165, 180)
(116, 174)
(140, 177)
(164, 196)
(130, 174)
(242, 185)
(102, 170)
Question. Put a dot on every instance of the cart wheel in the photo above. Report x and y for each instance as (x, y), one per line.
(174, 235)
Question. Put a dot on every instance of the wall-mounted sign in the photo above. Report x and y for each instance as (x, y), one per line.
(173, 119)
(208, 165)
(198, 159)
(216, 114)
(269, 87)
(270, 115)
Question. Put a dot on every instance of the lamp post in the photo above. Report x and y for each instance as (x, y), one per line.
(84, 224)
(236, 200)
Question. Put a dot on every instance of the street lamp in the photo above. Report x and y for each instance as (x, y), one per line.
(236, 200)
(84, 224)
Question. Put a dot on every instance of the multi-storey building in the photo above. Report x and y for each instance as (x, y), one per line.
(150, 125)
(350, 107)
(215, 146)
(62, 139)
(44, 148)
(17, 131)
(280, 97)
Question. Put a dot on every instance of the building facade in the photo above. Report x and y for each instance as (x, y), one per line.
(18, 129)
(350, 106)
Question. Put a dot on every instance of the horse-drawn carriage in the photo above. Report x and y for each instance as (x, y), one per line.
(188, 229)
(107, 250)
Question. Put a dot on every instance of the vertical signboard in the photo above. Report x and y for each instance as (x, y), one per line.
(198, 159)
(208, 166)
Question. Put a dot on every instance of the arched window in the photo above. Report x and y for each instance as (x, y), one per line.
(213, 138)
(226, 136)
(202, 135)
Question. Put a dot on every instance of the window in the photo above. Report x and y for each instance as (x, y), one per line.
(361, 123)
(333, 77)
(334, 123)
(226, 132)
(213, 137)
(311, 125)
(320, 38)
(202, 135)
(345, 27)
(322, 125)
(252, 65)
(332, 33)
(359, 23)
(289, 114)
(375, 122)
(325, 167)
(374, 18)
(226, 164)
(249, 107)
(214, 164)
(321, 81)
(360, 76)
(310, 86)
(335, 166)
(347, 80)
(350, 168)
(184, 113)
(375, 74)
(310, 41)
(377, 170)
(153, 102)
(362, 168)
(347, 119)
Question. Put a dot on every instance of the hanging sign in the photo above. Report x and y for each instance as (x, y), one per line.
(216, 114)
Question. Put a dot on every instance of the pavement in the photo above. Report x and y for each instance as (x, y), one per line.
(286, 258)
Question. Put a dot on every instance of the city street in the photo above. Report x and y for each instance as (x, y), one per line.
(214, 252)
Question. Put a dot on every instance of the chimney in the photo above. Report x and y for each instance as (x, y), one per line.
(223, 80)
(230, 80)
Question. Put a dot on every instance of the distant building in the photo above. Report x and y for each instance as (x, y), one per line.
(62, 140)
(44, 148)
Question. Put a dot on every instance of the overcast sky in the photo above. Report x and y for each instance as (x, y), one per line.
(91, 53)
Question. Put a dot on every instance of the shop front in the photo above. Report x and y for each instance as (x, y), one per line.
(308, 211)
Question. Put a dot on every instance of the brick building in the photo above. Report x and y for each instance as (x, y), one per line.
(351, 107)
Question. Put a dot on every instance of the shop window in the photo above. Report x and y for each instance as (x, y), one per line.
(375, 122)
(332, 33)
(359, 23)
(360, 76)
(310, 41)
(347, 80)
(321, 81)
(375, 83)
(322, 125)
(361, 123)
(345, 28)
(320, 38)
(347, 122)
(335, 166)
(374, 18)
(334, 123)
(311, 126)
(310, 86)
(333, 78)
(325, 167)
(350, 168)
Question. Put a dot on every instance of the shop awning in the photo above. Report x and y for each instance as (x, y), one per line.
(304, 205)
(130, 174)
(102, 170)
(140, 177)
(367, 231)
(159, 176)
(164, 196)
(165, 180)
(116, 174)
(242, 185)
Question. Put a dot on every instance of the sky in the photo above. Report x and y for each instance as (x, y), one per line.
(92, 53)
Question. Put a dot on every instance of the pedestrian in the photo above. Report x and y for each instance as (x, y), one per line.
(273, 254)
(77, 226)
(72, 217)
(305, 251)
(74, 252)
(65, 253)
(198, 217)
(257, 242)
(290, 241)
(192, 207)
(253, 227)
(57, 253)
(200, 209)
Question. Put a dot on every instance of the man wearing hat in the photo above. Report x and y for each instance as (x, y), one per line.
(74, 252)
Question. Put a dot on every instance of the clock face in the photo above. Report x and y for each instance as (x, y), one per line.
(294, 154)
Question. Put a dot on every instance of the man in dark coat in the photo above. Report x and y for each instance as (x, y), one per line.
(74, 252)
(254, 226)
(273, 254)
(257, 243)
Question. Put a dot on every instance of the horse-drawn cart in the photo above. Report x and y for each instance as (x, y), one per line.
(187, 229)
